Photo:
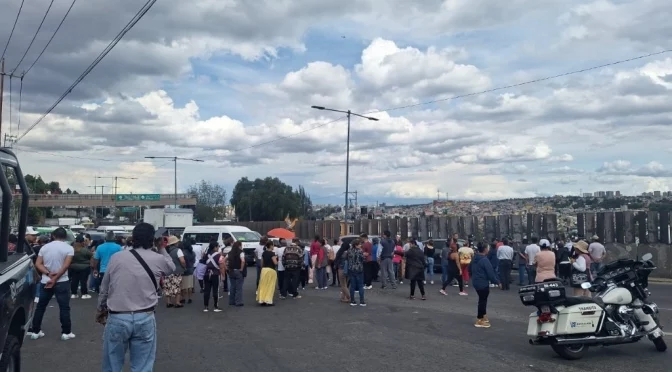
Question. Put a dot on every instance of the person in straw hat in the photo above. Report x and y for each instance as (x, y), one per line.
(580, 268)
(172, 283)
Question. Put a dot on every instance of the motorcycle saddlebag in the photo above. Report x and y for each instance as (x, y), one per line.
(545, 293)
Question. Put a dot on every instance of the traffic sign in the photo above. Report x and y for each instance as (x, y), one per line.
(128, 209)
(138, 197)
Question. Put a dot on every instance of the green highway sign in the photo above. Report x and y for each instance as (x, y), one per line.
(129, 209)
(138, 197)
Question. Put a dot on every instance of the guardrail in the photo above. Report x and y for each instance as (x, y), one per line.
(106, 197)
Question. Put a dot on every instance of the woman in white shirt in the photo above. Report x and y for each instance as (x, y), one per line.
(580, 264)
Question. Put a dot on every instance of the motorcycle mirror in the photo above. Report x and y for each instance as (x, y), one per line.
(586, 285)
(647, 257)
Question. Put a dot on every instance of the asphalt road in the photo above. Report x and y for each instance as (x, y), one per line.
(317, 333)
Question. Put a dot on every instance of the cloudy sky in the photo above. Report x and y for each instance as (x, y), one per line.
(231, 82)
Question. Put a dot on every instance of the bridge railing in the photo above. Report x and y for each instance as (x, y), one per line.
(108, 197)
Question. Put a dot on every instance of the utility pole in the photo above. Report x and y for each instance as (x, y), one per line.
(347, 152)
(175, 159)
(116, 178)
(348, 204)
(2, 89)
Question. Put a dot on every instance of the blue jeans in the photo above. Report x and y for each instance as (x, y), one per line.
(62, 292)
(430, 268)
(136, 332)
(595, 268)
(522, 270)
(444, 272)
(236, 288)
(321, 276)
(356, 284)
(396, 270)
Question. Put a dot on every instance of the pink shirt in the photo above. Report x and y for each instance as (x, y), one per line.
(545, 265)
(397, 258)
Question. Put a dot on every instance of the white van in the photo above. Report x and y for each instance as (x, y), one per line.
(105, 229)
(203, 235)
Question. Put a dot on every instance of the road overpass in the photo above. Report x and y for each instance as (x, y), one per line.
(98, 200)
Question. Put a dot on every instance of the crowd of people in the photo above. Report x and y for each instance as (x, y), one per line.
(130, 275)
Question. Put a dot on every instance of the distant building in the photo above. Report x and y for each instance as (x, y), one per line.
(618, 194)
(587, 195)
(610, 194)
(656, 194)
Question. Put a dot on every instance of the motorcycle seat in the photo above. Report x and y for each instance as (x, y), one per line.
(571, 301)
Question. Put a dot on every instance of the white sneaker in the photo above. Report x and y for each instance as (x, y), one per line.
(74, 296)
(37, 299)
(35, 336)
(464, 294)
(217, 310)
(400, 282)
(432, 282)
(443, 292)
(66, 337)
(424, 282)
(86, 297)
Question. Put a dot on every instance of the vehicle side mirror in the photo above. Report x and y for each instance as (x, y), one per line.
(647, 257)
(586, 285)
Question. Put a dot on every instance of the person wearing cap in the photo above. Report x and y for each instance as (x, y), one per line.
(580, 268)
(172, 284)
(597, 254)
(102, 257)
(544, 261)
(80, 268)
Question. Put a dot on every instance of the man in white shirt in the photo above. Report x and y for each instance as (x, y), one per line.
(279, 251)
(505, 256)
(530, 252)
(53, 262)
(597, 254)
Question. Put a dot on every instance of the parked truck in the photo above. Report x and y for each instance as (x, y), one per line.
(169, 218)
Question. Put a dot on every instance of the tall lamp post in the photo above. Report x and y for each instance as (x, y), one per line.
(347, 153)
(174, 159)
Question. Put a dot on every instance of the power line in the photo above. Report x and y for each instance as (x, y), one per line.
(34, 36)
(13, 27)
(138, 16)
(52, 38)
(451, 98)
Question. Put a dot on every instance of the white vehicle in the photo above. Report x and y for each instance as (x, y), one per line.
(77, 228)
(105, 229)
(620, 313)
(203, 235)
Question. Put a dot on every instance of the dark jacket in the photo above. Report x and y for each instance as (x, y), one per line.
(415, 264)
(388, 248)
(482, 273)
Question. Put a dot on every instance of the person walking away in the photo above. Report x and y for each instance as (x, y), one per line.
(531, 251)
(369, 266)
(387, 247)
(466, 254)
(505, 255)
(355, 268)
(269, 278)
(580, 268)
(332, 262)
(258, 252)
(397, 258)
(80, 268)
(564, 266)
(482, 274)
(235, 265)
(128, 295)
(214, 262)
(429, 256)
(315, 248)
(492, 256)
(292, 260)
(102, 256)
(281, 268)
(305, 271)
(187, 284)
(340, 262)
(53, 262)
(445, 252)
(415, 269)
(544, 262)
(522, 263)
(199, 251)
(597, 254)
(453, 270)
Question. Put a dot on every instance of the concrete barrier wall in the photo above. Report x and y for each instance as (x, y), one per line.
(625, 234)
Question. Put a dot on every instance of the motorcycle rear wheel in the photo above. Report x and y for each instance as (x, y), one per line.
(570, 352)
(660, 344)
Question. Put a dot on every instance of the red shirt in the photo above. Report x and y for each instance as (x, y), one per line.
(367, 247)
(315, 248)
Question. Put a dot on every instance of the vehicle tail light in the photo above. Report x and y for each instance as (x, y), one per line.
(545, 318)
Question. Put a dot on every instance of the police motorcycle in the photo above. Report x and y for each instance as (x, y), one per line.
(619, 313)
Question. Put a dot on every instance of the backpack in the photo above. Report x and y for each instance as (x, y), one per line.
(292, 258)
(189, 260)
(212, 264)
(355, 261)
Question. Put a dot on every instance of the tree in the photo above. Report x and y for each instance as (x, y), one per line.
(68, 191)
(268, 199)
(210, 201)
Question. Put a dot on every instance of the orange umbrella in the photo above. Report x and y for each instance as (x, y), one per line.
(281, 233)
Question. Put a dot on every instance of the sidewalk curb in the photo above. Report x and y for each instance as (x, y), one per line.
(660, 280)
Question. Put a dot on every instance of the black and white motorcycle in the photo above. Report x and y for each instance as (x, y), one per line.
(619, 313)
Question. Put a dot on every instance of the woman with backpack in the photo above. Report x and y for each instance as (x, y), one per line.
(355, 269)
(215, 266)
(187, 284)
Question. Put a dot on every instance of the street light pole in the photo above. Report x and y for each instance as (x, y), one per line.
(175, 159)
(349, 113)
